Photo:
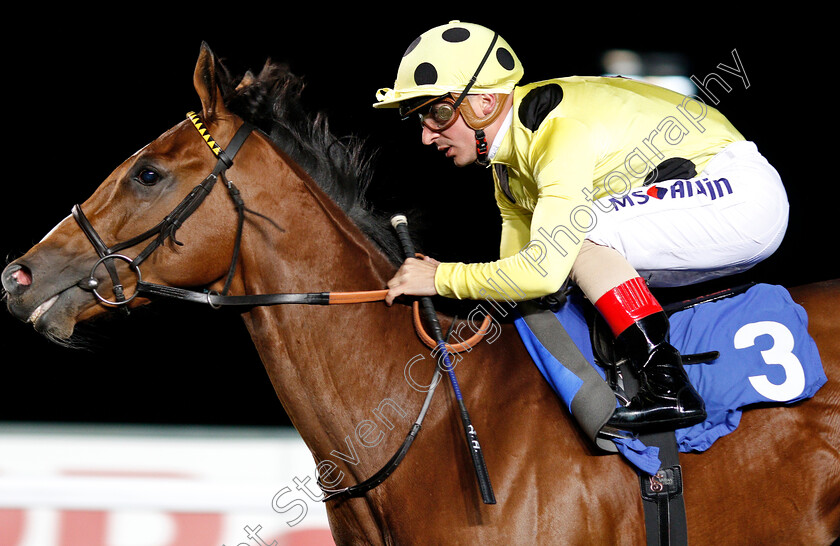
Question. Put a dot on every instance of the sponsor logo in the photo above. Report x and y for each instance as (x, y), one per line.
(696, 188)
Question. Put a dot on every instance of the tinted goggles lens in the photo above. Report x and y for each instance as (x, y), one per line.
(440, 115)
(437, 113)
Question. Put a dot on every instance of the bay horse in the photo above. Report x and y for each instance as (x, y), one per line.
(353, 377)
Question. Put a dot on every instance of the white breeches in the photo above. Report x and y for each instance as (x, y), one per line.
(724, 221)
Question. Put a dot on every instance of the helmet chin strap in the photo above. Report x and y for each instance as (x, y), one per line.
(478, 124)
(481, 148)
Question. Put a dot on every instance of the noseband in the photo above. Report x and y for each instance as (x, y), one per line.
(167, 227)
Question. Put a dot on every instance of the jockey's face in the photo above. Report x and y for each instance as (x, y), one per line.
(457, 141)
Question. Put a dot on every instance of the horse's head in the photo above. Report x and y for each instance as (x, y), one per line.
(137, 213)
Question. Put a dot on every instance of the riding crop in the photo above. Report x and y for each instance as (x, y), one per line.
(400, 224)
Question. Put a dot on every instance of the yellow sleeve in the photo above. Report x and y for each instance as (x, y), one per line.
(516, 226)
(537, 255)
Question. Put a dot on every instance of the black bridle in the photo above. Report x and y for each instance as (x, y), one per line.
(167, 228)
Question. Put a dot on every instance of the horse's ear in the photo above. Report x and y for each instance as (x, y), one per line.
(206, 85)
(247, 79)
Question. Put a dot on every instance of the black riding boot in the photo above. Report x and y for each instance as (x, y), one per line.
(666, 399)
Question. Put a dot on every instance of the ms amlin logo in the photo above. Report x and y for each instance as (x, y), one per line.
(678, 189)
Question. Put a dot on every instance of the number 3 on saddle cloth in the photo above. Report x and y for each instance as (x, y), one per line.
(766, 356)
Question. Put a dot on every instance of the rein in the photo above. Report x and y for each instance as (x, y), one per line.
(217, 301)
(167, 229)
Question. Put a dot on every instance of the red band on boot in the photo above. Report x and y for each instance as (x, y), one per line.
(626, 303)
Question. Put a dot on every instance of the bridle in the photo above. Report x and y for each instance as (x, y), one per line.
(167, 228)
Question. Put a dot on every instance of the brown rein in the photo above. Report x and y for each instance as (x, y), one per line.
(465, 345)
(337, 298)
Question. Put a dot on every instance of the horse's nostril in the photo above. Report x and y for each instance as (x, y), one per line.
(22, 277)
(16, 279)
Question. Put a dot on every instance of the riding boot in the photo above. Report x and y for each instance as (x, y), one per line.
(666, 400)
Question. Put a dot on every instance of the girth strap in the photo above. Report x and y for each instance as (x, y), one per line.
(662, 495)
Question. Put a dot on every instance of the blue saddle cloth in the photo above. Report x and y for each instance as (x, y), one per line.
(766, 356)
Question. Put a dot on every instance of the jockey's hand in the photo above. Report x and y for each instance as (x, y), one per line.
(414, 278)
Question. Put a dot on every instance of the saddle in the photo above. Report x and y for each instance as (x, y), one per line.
(710, 331)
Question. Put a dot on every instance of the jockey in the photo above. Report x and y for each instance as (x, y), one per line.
(614, 184)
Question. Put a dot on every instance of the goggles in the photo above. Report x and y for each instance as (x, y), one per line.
(436, 113)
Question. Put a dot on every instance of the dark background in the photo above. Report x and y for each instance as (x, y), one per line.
(83, 92)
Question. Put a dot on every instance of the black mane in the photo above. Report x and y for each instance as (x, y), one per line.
(271, 101)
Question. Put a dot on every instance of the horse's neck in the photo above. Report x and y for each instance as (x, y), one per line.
(321, 359)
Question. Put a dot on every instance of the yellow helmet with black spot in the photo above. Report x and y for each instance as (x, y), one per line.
(453, 58)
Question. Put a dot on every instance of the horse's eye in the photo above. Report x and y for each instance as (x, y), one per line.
(148, 177)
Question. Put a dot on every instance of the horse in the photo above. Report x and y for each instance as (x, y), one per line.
(353, 375)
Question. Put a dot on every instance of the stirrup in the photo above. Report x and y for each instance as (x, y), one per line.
(611, 433)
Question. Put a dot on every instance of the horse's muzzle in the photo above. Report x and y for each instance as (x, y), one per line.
(42, 289)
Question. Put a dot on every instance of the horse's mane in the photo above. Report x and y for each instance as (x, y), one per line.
(342, 167)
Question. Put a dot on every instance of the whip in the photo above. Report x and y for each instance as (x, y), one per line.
(400, 224)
